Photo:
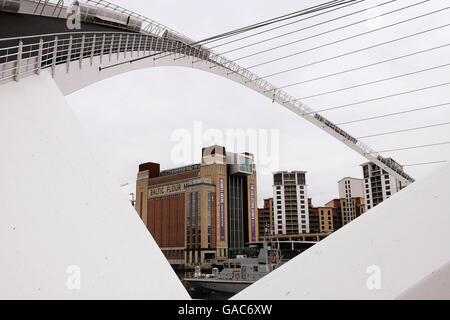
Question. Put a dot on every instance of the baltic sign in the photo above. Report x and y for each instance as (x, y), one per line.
(167, 190)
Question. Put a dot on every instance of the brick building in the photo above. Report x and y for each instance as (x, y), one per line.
(200, 212)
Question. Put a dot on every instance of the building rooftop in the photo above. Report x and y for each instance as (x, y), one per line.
(369, 162)
(169, 172)
(289, 172)
(345, 178)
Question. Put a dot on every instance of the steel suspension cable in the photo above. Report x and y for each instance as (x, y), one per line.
(288, 24)
(351, 52)
(447, 104)
(317, 8)
(363, 67)
(310, 10)
(375, 81)
(318, 24)
(414, 147)
(385, 97)
(405, 130)
(334, 42)
(424, 163)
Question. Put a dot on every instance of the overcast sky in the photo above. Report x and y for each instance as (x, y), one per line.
(131, 118)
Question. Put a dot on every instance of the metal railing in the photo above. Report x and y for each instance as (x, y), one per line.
(24, 55)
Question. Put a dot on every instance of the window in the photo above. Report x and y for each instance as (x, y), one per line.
(245, 164)
(301, 178)
(366, 171)
(277, 179)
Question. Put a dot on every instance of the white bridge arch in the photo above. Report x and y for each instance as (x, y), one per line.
(77, 60)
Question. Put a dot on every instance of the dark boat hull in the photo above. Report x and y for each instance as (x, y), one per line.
(217, 285)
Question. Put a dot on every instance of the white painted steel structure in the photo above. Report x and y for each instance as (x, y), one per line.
(79, 59)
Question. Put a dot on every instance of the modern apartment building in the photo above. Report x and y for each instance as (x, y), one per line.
(346, 210)
(265, 218)
(290, 203)
(199, 212)
(378, 184)
(350, 188)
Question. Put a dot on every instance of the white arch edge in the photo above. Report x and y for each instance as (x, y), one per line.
(79, 74)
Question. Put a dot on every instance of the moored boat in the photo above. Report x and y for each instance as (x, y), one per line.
(237, 274)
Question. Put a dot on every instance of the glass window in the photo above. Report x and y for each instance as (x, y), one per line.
(277, 179)
(301, 178)
(245, 164)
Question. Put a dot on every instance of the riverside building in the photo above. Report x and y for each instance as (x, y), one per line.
(378, 184)
(201, 212)
(290, 203)
(350, 189)
(341, 207)
(265, 218)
